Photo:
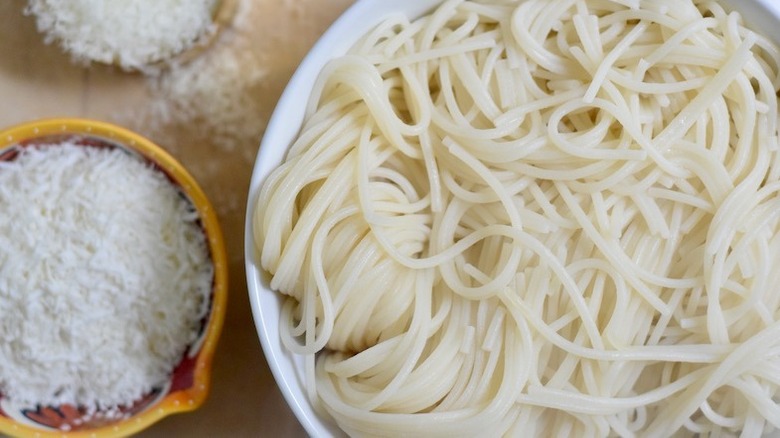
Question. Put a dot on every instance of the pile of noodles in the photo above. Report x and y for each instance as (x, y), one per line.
(541, 217)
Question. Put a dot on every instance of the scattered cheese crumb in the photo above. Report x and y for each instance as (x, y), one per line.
(132, 33)
(215, 95)
(219, 97)
(104, 276)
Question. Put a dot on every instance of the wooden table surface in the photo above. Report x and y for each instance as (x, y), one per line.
(268, 40)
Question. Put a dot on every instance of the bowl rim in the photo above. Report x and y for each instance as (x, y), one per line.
(282, 129)
(179, 401)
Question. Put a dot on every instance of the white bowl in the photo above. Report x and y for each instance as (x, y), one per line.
(763, 15)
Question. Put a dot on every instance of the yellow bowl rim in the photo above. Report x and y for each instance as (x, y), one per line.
(180, 401)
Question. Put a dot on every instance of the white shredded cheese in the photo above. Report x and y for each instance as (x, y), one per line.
(131, 33)
(104, 276)
(218, 96)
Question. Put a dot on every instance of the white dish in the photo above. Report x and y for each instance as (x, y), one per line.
(282, 129)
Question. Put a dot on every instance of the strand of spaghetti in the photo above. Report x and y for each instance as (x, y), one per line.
(386, 64)
(534, 50)
(617, 258)
(675, 40)
(472, 420)
(719, 236)
(591, 405)
(735, 363)
(601, 73)
(417, 344)
(702, 353)
(574, 292)
(515, 115)
(677, 127)
(285, 189)
(289, 264)
(358, 74)
(717, 419)
(585, 149)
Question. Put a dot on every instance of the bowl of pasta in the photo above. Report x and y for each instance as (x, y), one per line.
(501, 217)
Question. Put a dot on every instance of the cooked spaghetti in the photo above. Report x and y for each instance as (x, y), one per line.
(537, 217)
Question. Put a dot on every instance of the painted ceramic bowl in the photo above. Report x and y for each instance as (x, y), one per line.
(189, 382)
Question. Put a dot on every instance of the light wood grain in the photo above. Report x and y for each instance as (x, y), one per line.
(38, 81)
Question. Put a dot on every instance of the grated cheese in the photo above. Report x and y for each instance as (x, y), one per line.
(131, 33)
(216, 96)
(104, 277)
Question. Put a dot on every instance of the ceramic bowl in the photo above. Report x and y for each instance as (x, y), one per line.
(189, 383)
(222, 14)
(283, 128)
